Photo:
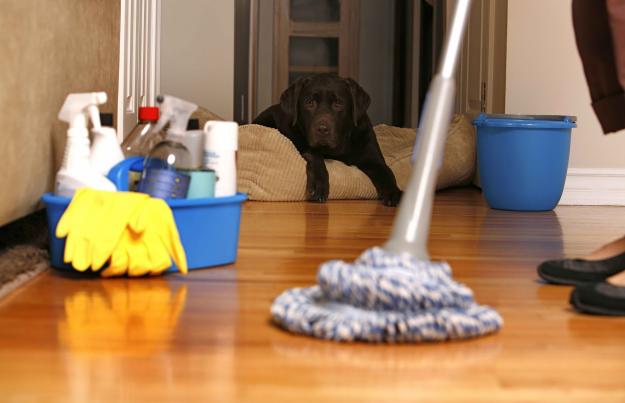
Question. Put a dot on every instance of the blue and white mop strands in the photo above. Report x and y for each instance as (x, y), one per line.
(385, 297)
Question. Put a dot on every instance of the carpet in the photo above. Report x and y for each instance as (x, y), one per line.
(23, 251)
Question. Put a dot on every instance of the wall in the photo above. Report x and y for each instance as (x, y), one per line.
(49, 49)
(197, 52)
(545, 76)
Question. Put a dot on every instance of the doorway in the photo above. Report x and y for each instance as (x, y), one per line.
(389, 47)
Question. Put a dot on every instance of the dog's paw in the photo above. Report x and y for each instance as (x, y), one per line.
(317, 189)
(391, 197)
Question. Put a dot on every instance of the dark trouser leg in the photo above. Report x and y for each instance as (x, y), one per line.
(616, 14)
(596, 48)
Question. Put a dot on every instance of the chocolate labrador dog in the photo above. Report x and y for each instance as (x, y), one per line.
(325, 116)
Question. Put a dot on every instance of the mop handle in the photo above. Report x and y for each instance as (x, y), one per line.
(412, 222)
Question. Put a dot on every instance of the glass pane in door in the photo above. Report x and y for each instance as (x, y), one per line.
(307, 52)
(315, 10)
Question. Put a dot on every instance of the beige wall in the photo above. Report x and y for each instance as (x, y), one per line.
(49, 49)
(197, 53)
(545, 76)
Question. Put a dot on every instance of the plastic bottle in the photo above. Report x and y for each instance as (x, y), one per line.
(220, 146)
(76, 170)
(142, 138)
(165, 170)
(105, 149)
(193, 139)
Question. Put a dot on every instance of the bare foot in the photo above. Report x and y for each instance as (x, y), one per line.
(617, 279)
(608, 250)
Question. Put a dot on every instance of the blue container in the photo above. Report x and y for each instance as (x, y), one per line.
(523, 160)
(208, 227)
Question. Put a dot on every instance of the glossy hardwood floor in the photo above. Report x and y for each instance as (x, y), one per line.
(207, 337)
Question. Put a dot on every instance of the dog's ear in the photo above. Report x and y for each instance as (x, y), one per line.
(290, 97)
(360, 99)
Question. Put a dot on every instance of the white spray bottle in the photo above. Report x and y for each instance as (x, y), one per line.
(166, 171)
(76, 171)
(105, 150)
(177, 113)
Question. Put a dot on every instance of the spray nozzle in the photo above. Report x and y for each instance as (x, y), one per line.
(77, 107)
(175, 111)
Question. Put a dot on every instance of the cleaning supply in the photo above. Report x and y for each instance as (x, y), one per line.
(142, 138)
(105, 150)
(77, 170)
(202, 184)
(523, 159)
(194, 141)
(151, 252)
(220, 146)
(395, 293)
(163, 173)
(138, 234)
(93, 223)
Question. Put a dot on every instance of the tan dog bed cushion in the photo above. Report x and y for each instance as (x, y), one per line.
(271, 169)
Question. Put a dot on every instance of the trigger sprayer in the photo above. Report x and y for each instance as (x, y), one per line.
(76, 170)
(176, 112)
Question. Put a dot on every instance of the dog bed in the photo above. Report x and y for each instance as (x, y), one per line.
(271, 169)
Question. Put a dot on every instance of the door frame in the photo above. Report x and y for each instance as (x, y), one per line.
(493, 95)
(139, 60)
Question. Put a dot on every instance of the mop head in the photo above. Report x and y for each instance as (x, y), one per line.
(385, 297)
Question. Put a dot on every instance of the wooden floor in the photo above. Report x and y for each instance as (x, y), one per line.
(208, 338)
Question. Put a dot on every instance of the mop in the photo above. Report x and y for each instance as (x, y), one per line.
(396, 293)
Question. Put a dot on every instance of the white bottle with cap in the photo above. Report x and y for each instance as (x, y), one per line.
(220, 146)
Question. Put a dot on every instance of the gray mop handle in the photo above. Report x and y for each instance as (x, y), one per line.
(412, 222)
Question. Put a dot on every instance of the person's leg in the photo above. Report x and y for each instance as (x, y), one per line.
(615, 12)
(616, 15)
(608, 250)
(600, 35)
(593, 34)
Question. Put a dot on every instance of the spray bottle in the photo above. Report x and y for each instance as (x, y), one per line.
(76, 171)
(165, 171)
(105, 150)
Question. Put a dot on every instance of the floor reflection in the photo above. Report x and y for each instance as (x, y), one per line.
(520, 235)
(123, 316)
(448, 356)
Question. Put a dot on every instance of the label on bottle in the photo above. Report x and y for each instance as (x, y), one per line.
(165, 184)
(211, 159)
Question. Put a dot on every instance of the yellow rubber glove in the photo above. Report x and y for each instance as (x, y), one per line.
(156, 221)
(93, 224)
(137, 255)
(148, 244)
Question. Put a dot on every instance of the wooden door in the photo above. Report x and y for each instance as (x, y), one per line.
(314, 36)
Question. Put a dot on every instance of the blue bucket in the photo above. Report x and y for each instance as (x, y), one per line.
(523, 160)
(208, 227)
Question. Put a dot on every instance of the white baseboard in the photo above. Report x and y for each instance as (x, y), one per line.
(594, 187)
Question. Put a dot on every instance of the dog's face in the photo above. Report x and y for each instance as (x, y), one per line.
(325, 108)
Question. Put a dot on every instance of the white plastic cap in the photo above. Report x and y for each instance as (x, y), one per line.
(221, 135)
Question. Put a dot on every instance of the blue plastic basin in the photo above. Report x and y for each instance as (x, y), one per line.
(208, 228)
(523, 160)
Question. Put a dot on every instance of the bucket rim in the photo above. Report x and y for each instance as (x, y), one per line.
(526, 121)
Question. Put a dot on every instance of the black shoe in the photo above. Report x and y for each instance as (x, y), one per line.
(580, 271)
(599, 299)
